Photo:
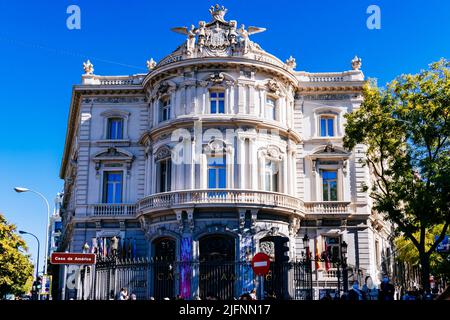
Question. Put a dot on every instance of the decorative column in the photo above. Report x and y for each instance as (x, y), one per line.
(253, 165)
(241, 162)
(285, 173)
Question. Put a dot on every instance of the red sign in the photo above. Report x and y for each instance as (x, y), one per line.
(72, 258)
(261, 264)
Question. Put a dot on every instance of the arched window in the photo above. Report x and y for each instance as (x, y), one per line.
(271, 175)
(163, 163)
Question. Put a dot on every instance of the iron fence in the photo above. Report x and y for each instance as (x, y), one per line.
(161, 279)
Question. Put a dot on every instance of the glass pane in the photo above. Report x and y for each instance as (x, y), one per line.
(110, 193)
(323, 127)
(325, 192)
(221, 94)
(213, 106)
(275, 182)
(213, 94)
(119, 129)
(118, 191)
(222, 178)
(331, 127)
(221, 106)
(212, 178)
(333, 191)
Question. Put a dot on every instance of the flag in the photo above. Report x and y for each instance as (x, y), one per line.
(317, 256)
(100, 246)
(94, 245)
(105, 248)
(327, 257)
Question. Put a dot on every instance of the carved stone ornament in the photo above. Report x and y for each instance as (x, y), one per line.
(218, 37)
(88, 67)
(273, 86)
(217, 77)
(267, 247)
(162, 153)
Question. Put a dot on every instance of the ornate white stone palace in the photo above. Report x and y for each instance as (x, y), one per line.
(220, 151)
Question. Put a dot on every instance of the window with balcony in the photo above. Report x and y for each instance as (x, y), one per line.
(217, 102)
(270, 110)
(329, 185)
(333, 247)
(271, 174)
(164, 109)
(164, 175)
(217, 172)
(327, 126)
(115, 129)
(112, 186)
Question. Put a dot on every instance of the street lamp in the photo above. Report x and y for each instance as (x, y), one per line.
(344, 265)
(21, 190)
(37, 260)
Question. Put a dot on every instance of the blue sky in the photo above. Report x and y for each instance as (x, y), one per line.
(42, 59)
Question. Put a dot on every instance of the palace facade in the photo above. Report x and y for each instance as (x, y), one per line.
(221, 150)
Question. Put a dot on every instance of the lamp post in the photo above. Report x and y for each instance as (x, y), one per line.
(21, 190)
(37, 260)
(344, 265)
(308, 261)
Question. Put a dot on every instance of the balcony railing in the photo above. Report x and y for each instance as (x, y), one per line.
(106, 209)
(217, 197)
(327, 207)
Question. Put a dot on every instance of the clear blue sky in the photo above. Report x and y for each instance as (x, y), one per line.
(41, 59)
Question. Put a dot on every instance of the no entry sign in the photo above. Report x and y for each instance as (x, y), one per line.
(261, 264)
(72, 258)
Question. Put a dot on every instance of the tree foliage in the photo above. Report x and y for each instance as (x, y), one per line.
(405, 128)
(16, 270)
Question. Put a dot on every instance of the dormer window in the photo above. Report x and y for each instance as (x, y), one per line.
(270, 111)
(164, 110)
(327, 126)
(217, 102)
(115, 129)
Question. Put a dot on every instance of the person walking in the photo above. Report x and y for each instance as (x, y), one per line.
(369, 290)
(387, 290)
(355, 294)
(123, 295)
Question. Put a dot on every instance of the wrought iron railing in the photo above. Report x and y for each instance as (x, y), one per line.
(160, 279)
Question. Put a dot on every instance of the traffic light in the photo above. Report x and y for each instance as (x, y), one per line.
(38, 283)
(282, 249)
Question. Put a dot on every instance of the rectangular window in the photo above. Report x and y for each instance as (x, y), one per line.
(327, 126)
(329, 185)
(164, 169)
(269, 112)
(112, 187)
(333, 247)
(271, 176)
(217, 172)
(115, 129)
(164, 111)
(217, 101)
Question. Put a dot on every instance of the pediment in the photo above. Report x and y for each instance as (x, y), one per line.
(113, 153)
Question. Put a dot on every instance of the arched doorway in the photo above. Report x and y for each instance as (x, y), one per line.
(163, 267)
(276, 281)
(217, 266)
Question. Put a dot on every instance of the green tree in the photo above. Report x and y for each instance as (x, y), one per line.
(16, 270)
(407, 252)
(405, 128)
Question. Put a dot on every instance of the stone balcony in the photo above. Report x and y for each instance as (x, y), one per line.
(220, 198)
(238, 198)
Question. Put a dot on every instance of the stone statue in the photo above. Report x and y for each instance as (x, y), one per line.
(290, 63)
(201, 31)
(245, 40)
(232, 35)
(151, 64)
(356, 63)
(88, 67)
(191, 34)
